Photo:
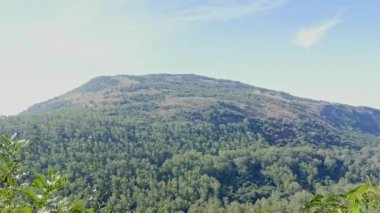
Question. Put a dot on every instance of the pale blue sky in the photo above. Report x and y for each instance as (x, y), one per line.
(326, 50)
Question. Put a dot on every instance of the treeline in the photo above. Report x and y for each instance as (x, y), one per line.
(117, 164)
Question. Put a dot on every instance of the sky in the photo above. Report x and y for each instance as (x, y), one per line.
(320, 49)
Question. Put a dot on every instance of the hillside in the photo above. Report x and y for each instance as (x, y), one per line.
(192, 98)
(166, 143)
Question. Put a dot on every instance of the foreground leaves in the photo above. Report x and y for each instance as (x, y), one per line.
(16, 195)
(363, 198)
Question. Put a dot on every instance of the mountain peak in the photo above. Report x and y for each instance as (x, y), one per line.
(190, 97)
(108, 91)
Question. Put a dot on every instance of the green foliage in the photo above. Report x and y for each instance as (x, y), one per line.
(116, 164)
(363, 198)
(16, 195)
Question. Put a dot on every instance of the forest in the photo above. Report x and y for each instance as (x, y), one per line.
(220, 158)
(181, 167)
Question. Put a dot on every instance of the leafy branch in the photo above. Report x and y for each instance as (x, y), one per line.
(358, 200)
(41, 195)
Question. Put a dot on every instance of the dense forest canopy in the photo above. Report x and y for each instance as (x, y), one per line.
(167, 143)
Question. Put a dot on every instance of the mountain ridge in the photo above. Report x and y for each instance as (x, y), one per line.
(195, 99)
(83, 87)
(167, 91)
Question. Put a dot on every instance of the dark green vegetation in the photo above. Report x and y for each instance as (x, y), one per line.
(171, 143)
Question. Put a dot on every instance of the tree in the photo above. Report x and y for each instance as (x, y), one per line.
(18, 195)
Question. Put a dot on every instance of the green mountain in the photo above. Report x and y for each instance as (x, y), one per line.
(192, 98)
(166, 143)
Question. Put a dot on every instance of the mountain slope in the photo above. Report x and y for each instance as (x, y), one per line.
(193, 98)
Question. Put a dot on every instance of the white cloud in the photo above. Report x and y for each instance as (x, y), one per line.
(227, 10)
(308, 37)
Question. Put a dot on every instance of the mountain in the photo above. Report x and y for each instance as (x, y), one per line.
(188, 143)
(194, 98)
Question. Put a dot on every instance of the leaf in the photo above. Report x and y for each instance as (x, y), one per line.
(28, 192)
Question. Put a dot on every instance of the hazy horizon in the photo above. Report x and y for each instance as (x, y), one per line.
(313, 49)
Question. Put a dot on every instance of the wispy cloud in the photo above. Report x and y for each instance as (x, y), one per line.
(227, 10)
(310, 36)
